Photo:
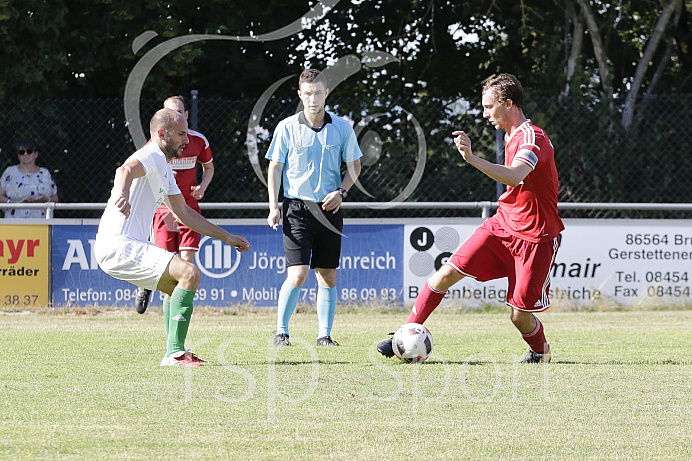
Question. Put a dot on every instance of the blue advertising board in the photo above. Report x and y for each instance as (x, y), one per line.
(371, 268)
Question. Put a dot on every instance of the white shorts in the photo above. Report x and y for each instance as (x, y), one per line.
(140, 263)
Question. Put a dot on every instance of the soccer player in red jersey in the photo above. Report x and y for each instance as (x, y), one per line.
(521, 240)
(169, 233)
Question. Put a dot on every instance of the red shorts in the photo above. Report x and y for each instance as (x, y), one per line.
(492, 253)
(172, 235)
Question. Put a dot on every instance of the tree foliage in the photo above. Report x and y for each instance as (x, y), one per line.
(83, 48)
(586, 61)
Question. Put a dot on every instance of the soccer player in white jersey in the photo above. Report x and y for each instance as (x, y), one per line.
(169, 233)
(122, 247)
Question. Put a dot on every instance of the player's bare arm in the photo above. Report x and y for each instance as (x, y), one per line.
(198, 223)
(333, 200)
(124, 175)
(274, 173)
(199, 190)
(509, 175)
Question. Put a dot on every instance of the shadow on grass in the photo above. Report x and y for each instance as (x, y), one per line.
(431, 362)
(622, 362)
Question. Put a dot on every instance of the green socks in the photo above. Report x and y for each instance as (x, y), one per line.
(179, 321)
(166, 314)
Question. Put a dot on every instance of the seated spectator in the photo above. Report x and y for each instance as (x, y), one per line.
(26, 182)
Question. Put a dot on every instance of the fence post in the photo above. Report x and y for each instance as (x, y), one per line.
(500, 159)
(193, 109)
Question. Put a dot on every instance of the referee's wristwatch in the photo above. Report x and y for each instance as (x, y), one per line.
(342, 191)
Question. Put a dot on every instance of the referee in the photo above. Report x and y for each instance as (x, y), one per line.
(306, 152)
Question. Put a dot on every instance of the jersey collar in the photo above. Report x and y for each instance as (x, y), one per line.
(303, 121)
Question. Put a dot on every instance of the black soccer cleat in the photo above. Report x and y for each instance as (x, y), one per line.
(326, 341)
(385, 348)
(535, 357)
(142, 300)
(281, 340)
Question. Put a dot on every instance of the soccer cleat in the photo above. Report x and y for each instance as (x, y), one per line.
(535, 357)
(281, 340)
(193, 357)
(326, 341)
(385, 348)
(182, 359)
(142, 300)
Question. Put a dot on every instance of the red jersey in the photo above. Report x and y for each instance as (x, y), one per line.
(185, 166)
(529, 210)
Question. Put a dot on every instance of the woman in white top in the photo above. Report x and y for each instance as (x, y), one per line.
(27, 183)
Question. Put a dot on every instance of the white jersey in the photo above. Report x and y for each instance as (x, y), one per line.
(146, 194)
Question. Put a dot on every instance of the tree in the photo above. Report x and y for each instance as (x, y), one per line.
(627, 53)
(599, 57)
(673, 8)
(83, 48)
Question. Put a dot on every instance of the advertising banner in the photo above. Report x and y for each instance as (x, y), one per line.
(371, 269)
(24, 274)
(629, 261)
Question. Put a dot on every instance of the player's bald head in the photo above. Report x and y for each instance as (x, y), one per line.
(165, 119)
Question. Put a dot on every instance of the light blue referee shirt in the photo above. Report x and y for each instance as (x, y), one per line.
(312, 159)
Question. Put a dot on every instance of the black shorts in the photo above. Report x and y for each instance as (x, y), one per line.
(312, 236)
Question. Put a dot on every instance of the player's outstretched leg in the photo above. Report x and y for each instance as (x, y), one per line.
(142, 300)
(427, 301)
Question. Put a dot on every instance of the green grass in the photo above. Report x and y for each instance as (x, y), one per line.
(90, 387)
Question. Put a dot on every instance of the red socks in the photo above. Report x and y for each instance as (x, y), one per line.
(428, 299)
(536, 339)
(426, 302)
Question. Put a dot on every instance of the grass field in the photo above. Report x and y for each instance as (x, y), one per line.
(90, 387)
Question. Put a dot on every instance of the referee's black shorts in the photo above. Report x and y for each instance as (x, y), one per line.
(312, 236)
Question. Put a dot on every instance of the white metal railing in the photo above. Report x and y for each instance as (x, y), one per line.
(485, 207)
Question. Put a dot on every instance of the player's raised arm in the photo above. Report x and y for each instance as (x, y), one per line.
(511, 175)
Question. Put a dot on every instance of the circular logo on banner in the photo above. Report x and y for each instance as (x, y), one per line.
(421, 264)
(424, 262)
(216, 259)
(447, 239)
(442, 259)
(422, 239)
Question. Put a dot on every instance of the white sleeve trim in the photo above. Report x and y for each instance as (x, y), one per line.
(527, 156)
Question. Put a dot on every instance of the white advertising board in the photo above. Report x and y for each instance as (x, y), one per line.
(628, 261)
